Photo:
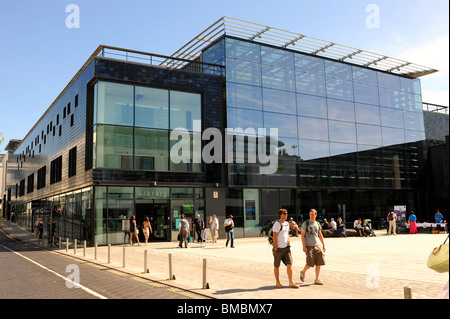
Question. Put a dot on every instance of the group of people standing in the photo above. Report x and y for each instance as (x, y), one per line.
(134, 230)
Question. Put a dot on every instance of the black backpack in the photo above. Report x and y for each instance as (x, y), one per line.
(270, 236)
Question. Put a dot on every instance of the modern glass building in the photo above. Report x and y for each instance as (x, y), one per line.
(351, 139)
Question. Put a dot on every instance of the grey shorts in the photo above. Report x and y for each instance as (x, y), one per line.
(314, 256)
(282, 255)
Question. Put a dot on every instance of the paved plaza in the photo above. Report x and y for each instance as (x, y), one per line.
(357, 267)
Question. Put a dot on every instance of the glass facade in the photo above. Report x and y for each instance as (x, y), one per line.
(340, 126)
(132, 126)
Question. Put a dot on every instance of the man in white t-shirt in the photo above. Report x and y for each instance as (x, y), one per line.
(214, 222)
(282, 248)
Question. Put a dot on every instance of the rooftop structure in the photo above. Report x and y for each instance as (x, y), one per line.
(298, 42)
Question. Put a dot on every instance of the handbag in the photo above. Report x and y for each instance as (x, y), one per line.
(438, 259)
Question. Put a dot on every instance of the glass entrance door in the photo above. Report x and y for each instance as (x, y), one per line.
(158, 213)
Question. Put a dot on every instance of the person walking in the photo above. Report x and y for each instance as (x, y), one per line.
(133, 231)
(146, 229)
(311, 235)
(183, 232)
(392, 217)
(282, 248)
(214, 222)
(229, 225)
(199, 225)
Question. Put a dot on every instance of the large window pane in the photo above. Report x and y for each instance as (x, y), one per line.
(391, 117)
(278, 78)
(341, 110)
(310, 83)
(392, 136)
(388, 81)
(413, 121)
(339, 89)
(411, 102)
(338, 70)
(312, 128)
(277, 57)
(369, 134)
(309, 150)
(279, 101)
(184, 157)
(309, 105)
(152, 107)
(309, 64)
(364, 75)
(114, 147)
(389, 98)
(368, 114)
(243, 50)
(344, 132)
(151, 150)
(185, 108)
(365, 93)
(244, 118)
(244, 96)
(244, 72)
(286, 124)
(115, 103)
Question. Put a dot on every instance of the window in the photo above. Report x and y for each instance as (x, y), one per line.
(73, 162)
(41, 177)
(184, 109)
(22, 187)
(76, 100)
(152, 108)
(71, 120)
(56, 170)
(115, 103)
(30, 184)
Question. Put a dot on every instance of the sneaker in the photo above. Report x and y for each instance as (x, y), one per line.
(318, 282)
(302, 276)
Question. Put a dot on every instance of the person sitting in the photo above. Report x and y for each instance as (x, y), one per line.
(359, 229)
(341, 227)
(293, 227)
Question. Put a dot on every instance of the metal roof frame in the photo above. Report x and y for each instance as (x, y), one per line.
(298, 42)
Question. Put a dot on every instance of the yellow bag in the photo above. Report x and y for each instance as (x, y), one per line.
(438, 259)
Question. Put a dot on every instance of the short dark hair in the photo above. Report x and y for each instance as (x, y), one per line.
(281, 211)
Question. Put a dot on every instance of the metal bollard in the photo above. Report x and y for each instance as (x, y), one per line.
(124, 257)
(75, 246)
(170, 267)
(84, 248)
(67, 245)
(205, 283)
(96, 247)
(145, 262)
(109, 253)
(407, 292)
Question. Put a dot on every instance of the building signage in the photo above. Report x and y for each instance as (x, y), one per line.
(152, 192)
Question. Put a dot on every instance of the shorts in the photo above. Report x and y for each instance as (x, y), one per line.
(314, 256)
(282, 255)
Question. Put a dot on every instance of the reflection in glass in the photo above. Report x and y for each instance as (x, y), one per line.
(389, 98)
(244, 96)
(365, 93)
(286, 124)
(342, 148)
(114, 147)
(278, 78)
(184, 109)
(277, 57)
(341, 110)
(244, 118)
(339, 89)
(243, 50)
(151, 149)
(368, 114)
(310, 83)
(364, 75)
(244, 72)
(114, 103)
(312, 128)
(369, 134)
(388, 81)
(309, 150)
(413, 121)
(391, 117)
(309, 64)
(342, 131)
(392, 136)
(338, 70)
(279, 101)
(309, 105)
(151, 107)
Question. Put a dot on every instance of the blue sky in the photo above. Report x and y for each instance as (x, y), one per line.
(39, 55)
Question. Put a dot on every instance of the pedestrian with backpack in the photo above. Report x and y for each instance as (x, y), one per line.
(282, 248)
(311, 235)
(392, 218)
